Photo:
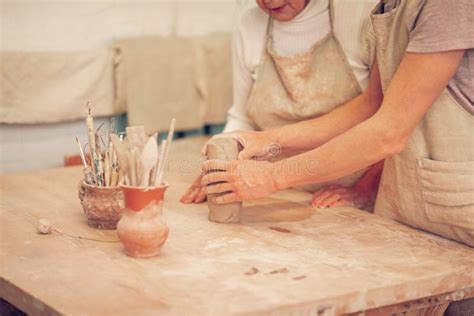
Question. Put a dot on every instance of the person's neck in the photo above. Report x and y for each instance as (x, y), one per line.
(312, 9)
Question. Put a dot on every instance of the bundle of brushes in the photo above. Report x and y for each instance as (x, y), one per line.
(135, 160)
(101, 167)
(141, 161)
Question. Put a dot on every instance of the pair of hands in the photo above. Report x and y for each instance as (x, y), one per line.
(249, 177)
(246, 179)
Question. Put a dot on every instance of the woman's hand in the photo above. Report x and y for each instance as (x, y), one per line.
(257, 145)
(337, 195)
(195, 193)
(241, 180)
(361, 195)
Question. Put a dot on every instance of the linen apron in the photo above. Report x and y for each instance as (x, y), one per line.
(430, 184)
(289, 89)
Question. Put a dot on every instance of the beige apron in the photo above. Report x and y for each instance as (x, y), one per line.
(289, 89)
(430, 185)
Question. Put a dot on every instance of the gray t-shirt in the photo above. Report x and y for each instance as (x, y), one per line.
(444, 25)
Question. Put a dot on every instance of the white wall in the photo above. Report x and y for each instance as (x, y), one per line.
(75, 25)
(81, 24)
(34, 147)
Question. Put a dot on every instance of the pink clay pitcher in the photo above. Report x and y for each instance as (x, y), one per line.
(141, 229)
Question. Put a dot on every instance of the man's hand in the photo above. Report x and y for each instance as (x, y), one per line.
(241, 180)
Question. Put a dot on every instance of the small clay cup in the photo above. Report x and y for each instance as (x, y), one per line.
(142, 230)
(103, 206)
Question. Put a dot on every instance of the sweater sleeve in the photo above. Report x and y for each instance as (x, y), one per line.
(237, 118)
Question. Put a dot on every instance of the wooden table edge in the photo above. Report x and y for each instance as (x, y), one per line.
(428, 303)
(23, 300)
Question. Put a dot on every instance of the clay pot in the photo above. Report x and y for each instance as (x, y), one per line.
(142, 229)
(223, 148)
(103, 206)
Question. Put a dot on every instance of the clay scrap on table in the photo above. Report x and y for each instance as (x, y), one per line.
(252, 271)
(282, 270)
(224, 148)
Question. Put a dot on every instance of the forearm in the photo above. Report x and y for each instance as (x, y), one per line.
(362, 146)
(310, 134)
(313, 133)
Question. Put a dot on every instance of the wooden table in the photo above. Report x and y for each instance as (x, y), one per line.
(284, 257)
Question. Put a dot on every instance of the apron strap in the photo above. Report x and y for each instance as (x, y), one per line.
(331, 13)
(269, 28)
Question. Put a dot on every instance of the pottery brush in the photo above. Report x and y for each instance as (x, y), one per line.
(87, 171)
(160, 162)
(108, 164)
(112, 156)
(121, 151)
(114, 177)
(100, 160)
(91, 138)
(100, 171)
(155, 167)
(148, 158)
(107, 168)
(166, 150)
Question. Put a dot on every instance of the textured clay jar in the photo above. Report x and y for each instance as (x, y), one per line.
(103, 206)
(142, 229)
(224, 148)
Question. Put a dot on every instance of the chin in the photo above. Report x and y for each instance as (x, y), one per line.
(283, 17)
